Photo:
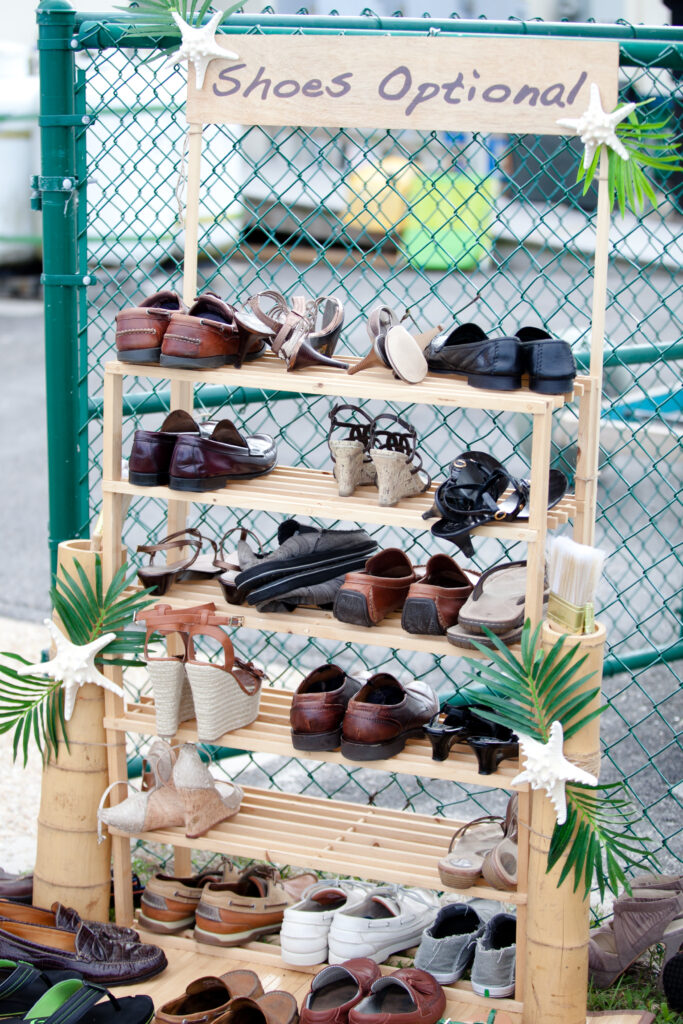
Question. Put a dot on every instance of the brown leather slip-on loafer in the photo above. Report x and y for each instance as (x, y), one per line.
(140, 329)
(337, 989)
(272, 1008)
(208, 335)
(408, 996)
(318, 708)
(152, 451)
(383, 715)
(434, 602)
(64, 918)
(208, 998)
(366, 597)
(16, 887)
(168, 904)
(207, 463)
(232, 913)
(96, 957)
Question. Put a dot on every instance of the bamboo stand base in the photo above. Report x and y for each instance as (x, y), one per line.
(70, 865)
(558, 918)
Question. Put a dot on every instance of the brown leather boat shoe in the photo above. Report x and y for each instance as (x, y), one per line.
(95, 956)
(152, 451)
(211, 334)
(318, 708)
(208, 998)
(434, 602)
(272, 1008)
(337, 989)
(383, 715)
(64, 918)
(140, 329)
(168, 904)
(408, 996)
(207, 463)
(232, 913)
(366, 597)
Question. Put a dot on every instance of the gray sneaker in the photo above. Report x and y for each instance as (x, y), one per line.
(447, 946)
(493, 970)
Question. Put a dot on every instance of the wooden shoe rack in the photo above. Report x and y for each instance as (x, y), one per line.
(330, 835)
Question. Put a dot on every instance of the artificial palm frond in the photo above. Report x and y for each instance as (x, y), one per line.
(649, 144)
(32, 705)
(527, 695)
(156, 16)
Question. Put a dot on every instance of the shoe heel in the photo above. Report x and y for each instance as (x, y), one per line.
(368, 361)
(173, 702)
(394, 478)
(158, 583)
(441, 744)
(348, 465)
(490, 753)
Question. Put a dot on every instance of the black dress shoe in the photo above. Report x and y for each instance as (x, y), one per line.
(548, 361)
(494, 363)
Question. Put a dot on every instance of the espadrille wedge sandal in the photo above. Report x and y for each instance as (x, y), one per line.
(143, 811)
(206, 802)
(353, 466)
(226, 696)
(396, 460)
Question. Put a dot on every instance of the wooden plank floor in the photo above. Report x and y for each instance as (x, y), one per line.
(184, 965)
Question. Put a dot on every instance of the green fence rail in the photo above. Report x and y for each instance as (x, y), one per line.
(325, 212)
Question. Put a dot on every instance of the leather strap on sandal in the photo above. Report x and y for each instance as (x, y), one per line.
(356, 431)
(189, 538)
(210, 625)
(244, 532)
(404, 441)
(476, 821)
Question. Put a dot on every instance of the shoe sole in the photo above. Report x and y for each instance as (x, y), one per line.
(494, 991)
(214, 483)
(303, 959)
(420, 616)
(551, 386)
(140, 355)
(483, 380)
(164, 928)
(148, 479)
(380, 955)
(352, 607)
(378, 751)
(207, 362)
(317, 741)
(233, 938)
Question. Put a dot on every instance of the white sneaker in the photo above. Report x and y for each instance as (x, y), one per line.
(387, 920)
(306, 924)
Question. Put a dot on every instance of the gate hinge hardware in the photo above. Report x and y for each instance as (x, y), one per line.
(68, 280)
(65, 120)
(51, 183)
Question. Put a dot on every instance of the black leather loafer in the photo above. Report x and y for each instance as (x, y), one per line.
(494, 363)
(548, 361)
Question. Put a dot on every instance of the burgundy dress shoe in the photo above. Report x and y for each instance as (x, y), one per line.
(318, 708)
(408, 996)
(434, 601)
(337, 989)
(96, 957)
(140, 329)
(207, 463)
(383, 715)
(367, 596)
(152, 451)
(66, 918)
(211, 333)
(16, 887)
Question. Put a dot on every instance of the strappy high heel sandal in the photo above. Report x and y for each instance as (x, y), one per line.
(160, 577)
(296, 338)
(158, 807)
(230, 563)
(350, 455)
(394, 347)
(396, 460)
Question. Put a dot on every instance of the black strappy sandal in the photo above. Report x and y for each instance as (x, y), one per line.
(160, 577)
(470, 498)
(350, 455)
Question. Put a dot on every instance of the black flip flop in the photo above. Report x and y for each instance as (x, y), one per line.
(76, 1001)
(22, 985)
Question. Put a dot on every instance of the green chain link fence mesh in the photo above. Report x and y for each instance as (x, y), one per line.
(509, 242)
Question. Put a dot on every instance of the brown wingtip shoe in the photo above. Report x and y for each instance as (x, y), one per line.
(140, 329)
(383, 715)
(337, 989)
(208, 998)
(318, 708)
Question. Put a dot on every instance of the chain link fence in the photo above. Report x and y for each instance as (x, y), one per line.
(443, 227)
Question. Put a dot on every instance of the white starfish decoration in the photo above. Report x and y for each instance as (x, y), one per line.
(199, 47)
(546, 767)
(73, 665)
(598, 128)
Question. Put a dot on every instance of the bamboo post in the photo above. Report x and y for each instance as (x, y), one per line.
(70, 865)
(558, 918)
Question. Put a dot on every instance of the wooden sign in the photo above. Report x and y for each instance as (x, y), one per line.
(502, 84)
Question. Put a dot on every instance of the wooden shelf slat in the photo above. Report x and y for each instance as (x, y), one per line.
(269, 374)
(374, 843)
(294, 490)
(270, 734)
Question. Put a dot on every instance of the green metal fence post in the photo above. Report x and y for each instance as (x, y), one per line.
(58, 189)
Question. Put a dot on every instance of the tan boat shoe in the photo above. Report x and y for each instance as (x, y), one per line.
(169, 904)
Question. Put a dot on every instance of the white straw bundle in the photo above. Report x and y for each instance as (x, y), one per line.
(574, 571)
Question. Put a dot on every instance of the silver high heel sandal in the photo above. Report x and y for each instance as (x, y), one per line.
(396, 461)
(353, 466)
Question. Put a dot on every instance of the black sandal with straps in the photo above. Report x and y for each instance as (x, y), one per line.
(160, 577)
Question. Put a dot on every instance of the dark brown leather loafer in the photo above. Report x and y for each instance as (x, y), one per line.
(64, 918)
(207, 463)
(140, 329)
(434, 602)
(366, 597)
(150, 456)
(207, 998)
(211, 334)
(96, 957)
(318, 708)
(383, 715)
(337, 989)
